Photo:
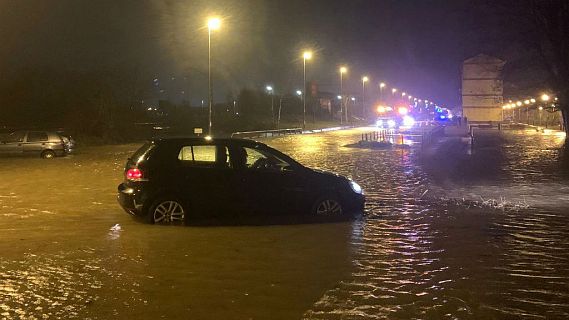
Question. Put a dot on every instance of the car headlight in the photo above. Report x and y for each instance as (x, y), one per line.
(356, 188)
(408, 121)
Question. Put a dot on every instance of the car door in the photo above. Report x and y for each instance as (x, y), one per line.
(12, 144)
(206, 178)
(267, 185)
(35, 142)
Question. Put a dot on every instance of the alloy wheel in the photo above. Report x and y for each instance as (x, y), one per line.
(329, 207)
(168, 212)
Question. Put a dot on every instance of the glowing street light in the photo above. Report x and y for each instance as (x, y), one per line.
(393, 91)
(519, 103)
(306, 55)
(532, 100)
(545, 97)
(403, 94)
(526, 101)
(298, 93)
(213, 23)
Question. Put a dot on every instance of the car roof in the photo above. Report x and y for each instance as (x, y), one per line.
(228, 141)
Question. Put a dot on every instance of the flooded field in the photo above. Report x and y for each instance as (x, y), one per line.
(445, 235)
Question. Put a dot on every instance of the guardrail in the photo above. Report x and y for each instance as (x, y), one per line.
(266, 133)
(400, 138)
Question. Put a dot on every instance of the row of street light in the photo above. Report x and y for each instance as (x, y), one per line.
(214, 23)
(527, 103)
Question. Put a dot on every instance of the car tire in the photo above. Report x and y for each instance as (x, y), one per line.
(167, 211)
(328, 206)
(48, 154)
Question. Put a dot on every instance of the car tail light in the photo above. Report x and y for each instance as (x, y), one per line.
(134, 174)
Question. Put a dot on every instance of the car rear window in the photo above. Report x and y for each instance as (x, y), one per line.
(142, 152)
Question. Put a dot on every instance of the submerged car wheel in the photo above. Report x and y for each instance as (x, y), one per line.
(328, 206)
(167, 211)
(48, 154)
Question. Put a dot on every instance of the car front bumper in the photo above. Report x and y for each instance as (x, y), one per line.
(355, 203)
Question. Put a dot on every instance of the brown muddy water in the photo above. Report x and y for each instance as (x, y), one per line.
(445, 235)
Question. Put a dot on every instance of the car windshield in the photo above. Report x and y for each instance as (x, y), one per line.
(17, 136)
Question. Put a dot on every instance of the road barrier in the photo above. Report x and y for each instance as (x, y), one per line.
(400, 138)
(282, 132)
(266, 133)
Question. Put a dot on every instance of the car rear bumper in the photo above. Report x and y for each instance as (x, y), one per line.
(130, 200)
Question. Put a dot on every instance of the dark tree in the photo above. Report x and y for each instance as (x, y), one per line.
(533, 37)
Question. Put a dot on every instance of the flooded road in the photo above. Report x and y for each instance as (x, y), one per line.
(445, 236)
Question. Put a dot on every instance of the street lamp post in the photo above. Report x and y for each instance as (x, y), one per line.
(381, 86)
(212, 24)
(342, 71)
(307, 55)
(364, 110)
(270, 90)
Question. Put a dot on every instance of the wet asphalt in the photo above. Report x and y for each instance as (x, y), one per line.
(448, 232)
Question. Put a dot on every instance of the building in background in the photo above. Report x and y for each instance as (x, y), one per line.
(482, 89)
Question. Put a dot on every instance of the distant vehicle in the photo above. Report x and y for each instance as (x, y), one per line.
(390, 118)
(388, 122)
(45, 144)
(174, 180)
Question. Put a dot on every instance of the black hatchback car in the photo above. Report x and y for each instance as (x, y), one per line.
(175, 180)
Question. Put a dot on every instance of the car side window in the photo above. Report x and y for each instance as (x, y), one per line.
(203, 156)
(250, 158)
(36, 136)
(253, 156)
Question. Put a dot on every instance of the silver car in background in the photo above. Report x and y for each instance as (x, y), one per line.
(45, 144)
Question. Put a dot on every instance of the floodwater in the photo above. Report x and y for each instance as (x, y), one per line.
(445, 235)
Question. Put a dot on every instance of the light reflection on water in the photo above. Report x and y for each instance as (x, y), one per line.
(422, 259)
(411, 257)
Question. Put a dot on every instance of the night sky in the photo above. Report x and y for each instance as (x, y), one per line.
(417, 46)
